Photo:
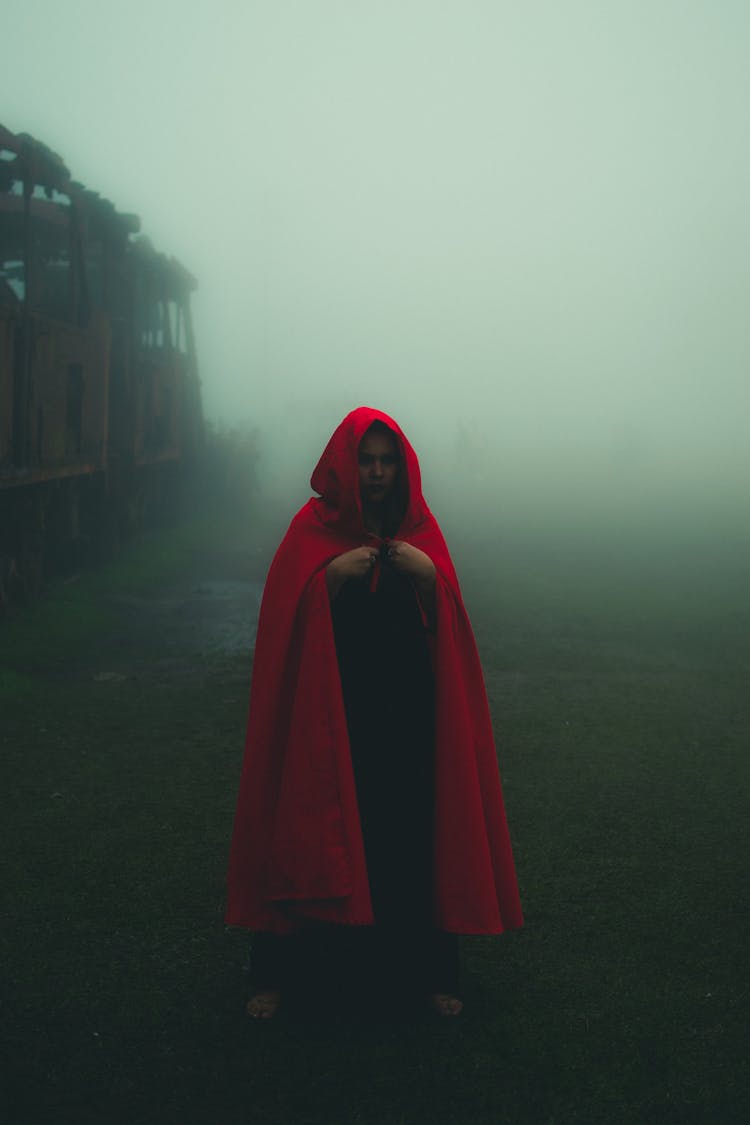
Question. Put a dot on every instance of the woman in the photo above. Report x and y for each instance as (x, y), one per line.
(370, 794)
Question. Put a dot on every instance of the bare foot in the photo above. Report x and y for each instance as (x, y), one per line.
(445, 1004)
(264, 1005)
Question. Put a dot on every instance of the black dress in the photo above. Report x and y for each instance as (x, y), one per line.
(388, 689)
(389, 696)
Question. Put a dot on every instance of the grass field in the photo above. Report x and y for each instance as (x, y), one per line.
(619, 684)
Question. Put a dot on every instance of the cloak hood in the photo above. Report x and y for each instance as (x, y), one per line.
(336, 476)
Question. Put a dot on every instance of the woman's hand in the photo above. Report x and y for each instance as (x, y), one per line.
(403, 557)
(352, 564)
(407, 559)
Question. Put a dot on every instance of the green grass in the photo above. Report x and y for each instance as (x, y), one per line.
(621, 706)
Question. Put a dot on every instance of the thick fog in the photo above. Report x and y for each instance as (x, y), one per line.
(522, 229)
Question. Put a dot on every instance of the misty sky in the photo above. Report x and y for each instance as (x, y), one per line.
(519, 227)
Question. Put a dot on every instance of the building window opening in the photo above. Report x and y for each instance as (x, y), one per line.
(74, 410)
(12, 267)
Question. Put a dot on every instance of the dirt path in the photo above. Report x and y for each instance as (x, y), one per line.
(164, 609)
(172, 633)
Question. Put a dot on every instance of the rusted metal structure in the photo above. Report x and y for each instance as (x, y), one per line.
(100, 410)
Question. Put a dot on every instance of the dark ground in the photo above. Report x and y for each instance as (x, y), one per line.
(620, 688)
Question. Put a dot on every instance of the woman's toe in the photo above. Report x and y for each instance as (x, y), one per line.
(446, 1005)
(263, 1006)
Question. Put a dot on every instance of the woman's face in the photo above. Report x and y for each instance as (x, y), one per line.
(378, 467)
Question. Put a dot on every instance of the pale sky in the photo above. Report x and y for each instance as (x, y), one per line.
(529, 220)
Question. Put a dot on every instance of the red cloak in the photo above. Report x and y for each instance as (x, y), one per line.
(297, 852)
